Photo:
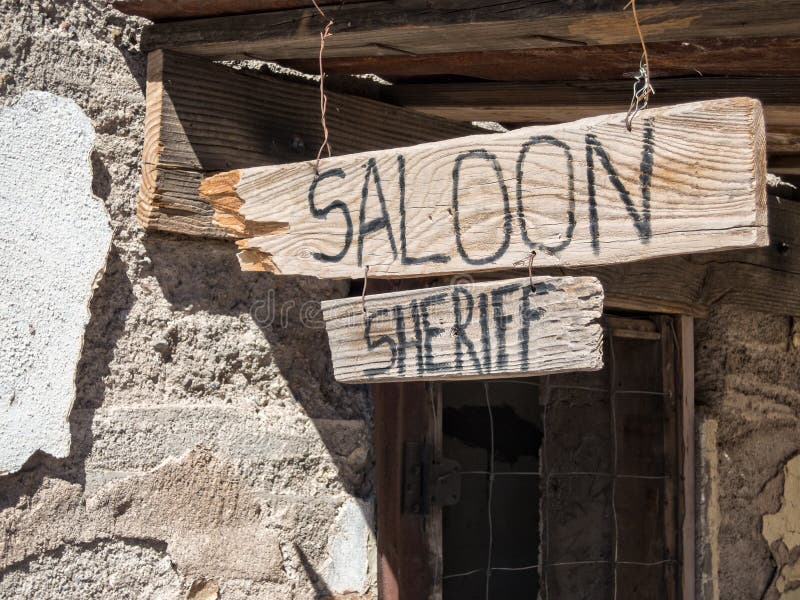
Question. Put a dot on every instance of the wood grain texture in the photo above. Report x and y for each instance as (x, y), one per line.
(164, 10)
(415, 27)
(687, 179)
(471, 331)
(555, 102)
(762, 57)
(203, 117)
(685, 334)
(762, 279)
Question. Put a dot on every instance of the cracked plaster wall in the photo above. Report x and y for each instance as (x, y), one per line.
(748, 400)
(212, 455)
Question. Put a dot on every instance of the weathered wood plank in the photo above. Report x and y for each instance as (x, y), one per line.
(540, 103)
(472, 331)
(203, 117)
(761, 279)
(415, 27)
(755, 57)
(687, 179)
(159, 10)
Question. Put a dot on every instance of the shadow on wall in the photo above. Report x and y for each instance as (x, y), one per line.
(204, 275)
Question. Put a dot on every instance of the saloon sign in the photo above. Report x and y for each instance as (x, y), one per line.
(688, 178)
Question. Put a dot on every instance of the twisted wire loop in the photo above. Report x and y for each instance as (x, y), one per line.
(642, 88)
(364, 290)
(529, 260)
(323, 98)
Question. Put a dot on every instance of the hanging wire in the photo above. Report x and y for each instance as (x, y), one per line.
(491, 486)
(613, 402)
(642, 88)
(323, 97)
(434, 395)
(364, 290)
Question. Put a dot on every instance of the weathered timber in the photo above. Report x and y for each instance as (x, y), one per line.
(687, 179)
(203, 117)
(471, 331)
(159, 10)
(539, 103)
(415, 27)
(761, 279)
(755, 57)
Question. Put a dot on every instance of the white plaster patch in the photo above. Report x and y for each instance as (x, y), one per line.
(348, 569)
(782, 532)
(54, 239)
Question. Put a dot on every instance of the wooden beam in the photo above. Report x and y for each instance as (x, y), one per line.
(685, 334)
(763, 279)
(159, 10)
(202, 117)
(415, 27)
(687, 179)
(525, 102)
(756, 57)
(406, 556)
(509, 328)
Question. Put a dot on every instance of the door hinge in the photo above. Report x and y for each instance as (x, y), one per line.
(427, 483)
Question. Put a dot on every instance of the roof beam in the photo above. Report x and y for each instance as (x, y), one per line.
(416, 27)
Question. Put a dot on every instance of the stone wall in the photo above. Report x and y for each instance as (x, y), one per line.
(212, 452)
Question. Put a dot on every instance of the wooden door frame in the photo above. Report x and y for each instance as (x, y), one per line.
(407, 554)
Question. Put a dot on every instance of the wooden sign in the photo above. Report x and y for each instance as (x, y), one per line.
(470, 331)
(688, 178)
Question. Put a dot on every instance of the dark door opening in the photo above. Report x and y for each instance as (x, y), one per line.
(569, 482)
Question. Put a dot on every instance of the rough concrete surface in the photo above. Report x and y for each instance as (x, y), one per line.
(212, 452)
(54, 239)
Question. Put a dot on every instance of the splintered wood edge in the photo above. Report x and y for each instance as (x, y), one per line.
(220, 192)
(759, 132)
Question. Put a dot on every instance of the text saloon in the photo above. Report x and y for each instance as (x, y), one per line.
(688, 178)
(478, 330)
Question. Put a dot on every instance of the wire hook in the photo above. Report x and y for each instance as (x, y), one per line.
(364, 290)
(530, 269)
(642, 88)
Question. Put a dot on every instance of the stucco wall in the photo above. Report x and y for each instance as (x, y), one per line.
(748, 396)
(212, 452)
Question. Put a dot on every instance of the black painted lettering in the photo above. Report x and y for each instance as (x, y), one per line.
(374, 344)
(641, 221)
(429, 332)
(417, 336)
(488, 156)
(486, 341)
(527, 316)
(366, 228)
(402, 342)
(404, 257)
(501, 321)
(322, 213)
(460, 324)
(523, 225)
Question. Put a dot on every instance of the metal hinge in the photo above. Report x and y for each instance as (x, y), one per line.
(427, 483)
